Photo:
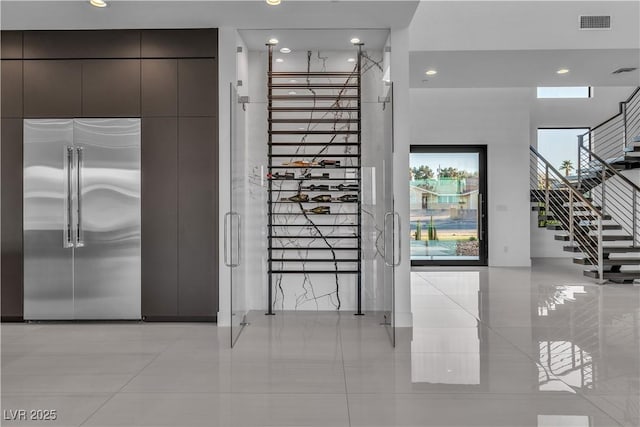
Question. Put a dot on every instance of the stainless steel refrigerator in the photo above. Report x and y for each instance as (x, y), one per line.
(81, 219)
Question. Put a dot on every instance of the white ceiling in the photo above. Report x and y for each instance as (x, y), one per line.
(335, 39)
(254, 14)
(518, 25)
(524, 68)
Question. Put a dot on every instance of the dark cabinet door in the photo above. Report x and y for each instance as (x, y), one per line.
(191, 43)
(159, 87)
(111, 88)
(11, 194)
(52, 89)
(197, 222)
(197, 87)
(159, 217)
(81, 44)
(11, 90)
(11, 45)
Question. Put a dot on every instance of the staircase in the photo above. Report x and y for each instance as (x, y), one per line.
(596, 210)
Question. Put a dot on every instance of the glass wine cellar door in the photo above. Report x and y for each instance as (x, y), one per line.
(234, 223)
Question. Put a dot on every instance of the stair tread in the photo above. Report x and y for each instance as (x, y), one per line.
(634, 274)
(619, 261)
(606, 249)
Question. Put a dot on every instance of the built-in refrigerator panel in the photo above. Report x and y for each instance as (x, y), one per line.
(82, 219)
(107, 257)
(47, 201)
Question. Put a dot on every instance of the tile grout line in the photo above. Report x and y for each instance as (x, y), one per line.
(344, 374)
(518, 349)
(120, 389)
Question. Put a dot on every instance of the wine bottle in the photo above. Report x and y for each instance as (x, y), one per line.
(299, 198)
(348, 198)
(319, 210)
(347, 187)
(308, 175)
(321, 187)
(329, 163)
(303, 163)
(322, 198)
(286, 175)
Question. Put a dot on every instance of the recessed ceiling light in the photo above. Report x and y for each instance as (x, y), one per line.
(293, 81)
(98, 3)
(562, 71)
(285, 50)
(273, 2)
(293, 92)
(355, 40)
(351, 60)
(279, 60)
(273, 41)
(431, 72)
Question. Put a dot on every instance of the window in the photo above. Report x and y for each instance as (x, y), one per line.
(559, 146)
(565, 92)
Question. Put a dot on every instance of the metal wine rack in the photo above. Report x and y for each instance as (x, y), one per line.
(314, 149)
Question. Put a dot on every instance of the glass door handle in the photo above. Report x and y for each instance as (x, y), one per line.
(239, 240)
(226, 249)
(480, 226)
(396, 264)
(384, 239)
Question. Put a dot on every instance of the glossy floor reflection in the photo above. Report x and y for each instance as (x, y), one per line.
(494, 347)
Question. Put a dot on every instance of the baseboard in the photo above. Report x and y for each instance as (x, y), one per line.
(209, 319)
(9, 319)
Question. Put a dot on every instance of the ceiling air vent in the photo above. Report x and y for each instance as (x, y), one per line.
(595, 22)
(624, 70)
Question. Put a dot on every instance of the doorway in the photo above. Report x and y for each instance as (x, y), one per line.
(448, 218)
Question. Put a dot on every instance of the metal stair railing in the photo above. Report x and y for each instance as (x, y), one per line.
(614, 193)
(609, 139)
(567, 205)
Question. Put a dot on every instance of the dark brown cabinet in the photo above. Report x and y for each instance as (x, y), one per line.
(111, 88)
(159, 73)
(11, 73)
(160, 217)
(11, 45)
(52, 88)
(11, 195)
(169, 78)
(197, 87)
(197, 221)
(83, 44)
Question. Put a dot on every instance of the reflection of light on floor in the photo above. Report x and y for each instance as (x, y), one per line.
(560, 296)
(567, 362)
(446, 346)
(563, 421)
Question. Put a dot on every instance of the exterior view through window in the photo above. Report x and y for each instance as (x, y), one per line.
(446, 193)
(560, 148)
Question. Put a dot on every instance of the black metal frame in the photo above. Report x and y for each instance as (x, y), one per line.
(274, 239)
(482, 173)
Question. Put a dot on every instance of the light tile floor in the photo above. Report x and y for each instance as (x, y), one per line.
(489, 347)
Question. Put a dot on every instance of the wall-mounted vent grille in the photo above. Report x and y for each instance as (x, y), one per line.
(624, 70)
(595, 22)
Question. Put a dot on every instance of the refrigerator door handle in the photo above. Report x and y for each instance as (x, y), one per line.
(79, 167)
(68, 235)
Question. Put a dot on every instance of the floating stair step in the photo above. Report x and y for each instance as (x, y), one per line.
(314, 144)
(605, 237)
(313, 249)
(625, 276)
(314, 155)
(606, 249)
(619, 261)
(555, 227)
(604, 226)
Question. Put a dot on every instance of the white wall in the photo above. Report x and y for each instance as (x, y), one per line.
(500, 119)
